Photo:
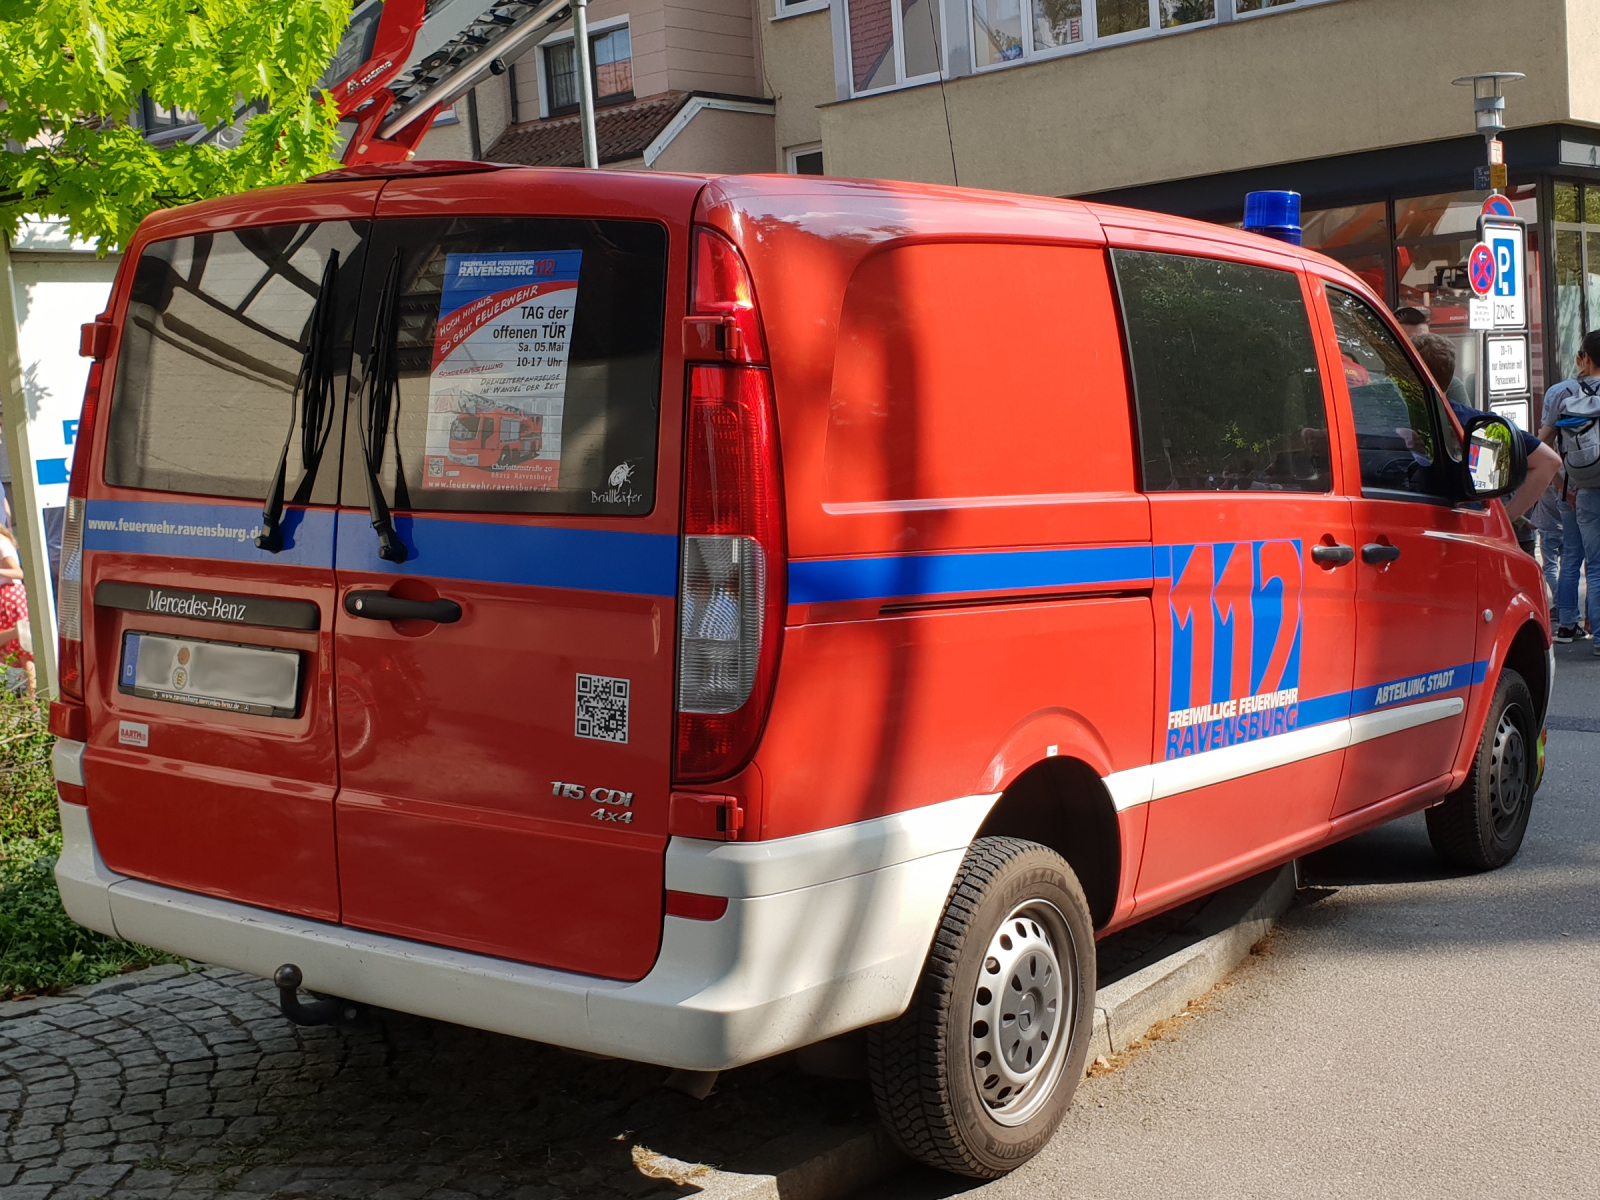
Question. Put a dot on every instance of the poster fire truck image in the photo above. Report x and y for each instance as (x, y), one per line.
(499, 377)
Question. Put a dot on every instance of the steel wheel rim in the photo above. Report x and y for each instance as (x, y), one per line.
(1023, 1011)
(1508, 773)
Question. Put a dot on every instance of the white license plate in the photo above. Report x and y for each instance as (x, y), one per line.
(242, 679)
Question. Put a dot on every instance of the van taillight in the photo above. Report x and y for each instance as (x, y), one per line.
(69, 598)
(722, 288)
(732, 594)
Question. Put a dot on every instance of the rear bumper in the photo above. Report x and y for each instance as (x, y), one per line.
(795, 959)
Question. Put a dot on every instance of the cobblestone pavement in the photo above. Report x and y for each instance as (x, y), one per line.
(193, 1085)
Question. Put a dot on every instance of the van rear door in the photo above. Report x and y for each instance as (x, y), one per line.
(211, 762)
(505, 673)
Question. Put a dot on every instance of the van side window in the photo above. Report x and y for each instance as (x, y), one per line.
(528, 358)
(216, 329)
(1396, 423)
(1225, 375)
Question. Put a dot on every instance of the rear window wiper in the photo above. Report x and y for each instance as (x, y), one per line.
(383, 400)
(312, 402)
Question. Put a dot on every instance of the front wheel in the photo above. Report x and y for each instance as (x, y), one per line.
(1480, 825)
(978, 1072)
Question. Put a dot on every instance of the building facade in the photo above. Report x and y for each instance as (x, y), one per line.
(678, 87)
(1183, 106)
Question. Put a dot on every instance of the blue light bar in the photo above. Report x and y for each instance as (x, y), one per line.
(1274, 215)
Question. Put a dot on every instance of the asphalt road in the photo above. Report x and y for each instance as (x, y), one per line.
(1409, 1033)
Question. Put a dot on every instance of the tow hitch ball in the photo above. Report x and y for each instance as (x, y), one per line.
(328, 1011)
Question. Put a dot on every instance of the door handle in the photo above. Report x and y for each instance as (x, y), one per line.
(1379, 552)
(1333, 556)
(381, 606)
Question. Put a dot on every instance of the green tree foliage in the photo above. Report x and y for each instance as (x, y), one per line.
(71, 72)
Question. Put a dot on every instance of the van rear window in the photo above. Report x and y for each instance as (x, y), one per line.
(216, 328)
(528, 356)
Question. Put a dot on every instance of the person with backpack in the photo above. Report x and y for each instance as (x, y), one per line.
(1571, 424)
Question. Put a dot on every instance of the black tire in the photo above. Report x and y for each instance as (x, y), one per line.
(1480, 825)
(925, 1066)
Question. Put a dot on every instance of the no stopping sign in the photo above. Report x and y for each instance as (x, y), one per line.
(1480, 269)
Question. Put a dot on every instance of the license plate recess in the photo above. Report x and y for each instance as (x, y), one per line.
(227, 676)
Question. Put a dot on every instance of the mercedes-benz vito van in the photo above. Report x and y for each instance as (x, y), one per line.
(872, 594)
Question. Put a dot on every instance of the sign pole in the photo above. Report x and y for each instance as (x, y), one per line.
(26, 516)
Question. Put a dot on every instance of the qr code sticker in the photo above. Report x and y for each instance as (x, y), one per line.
(436, 467)
(602, 708)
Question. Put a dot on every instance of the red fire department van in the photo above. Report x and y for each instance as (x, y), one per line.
(494, 437)
(918, 585)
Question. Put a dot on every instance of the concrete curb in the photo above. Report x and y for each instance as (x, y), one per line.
(858, 1160)
(1126, 1009)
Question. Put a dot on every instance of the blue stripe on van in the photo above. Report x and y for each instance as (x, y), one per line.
(216, 531)
(816, 581)
(592, 560)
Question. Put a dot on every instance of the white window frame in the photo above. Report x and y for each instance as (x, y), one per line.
(784, 9)
(595, 28)
(901, 80)
(1224, 12)
(794, 152)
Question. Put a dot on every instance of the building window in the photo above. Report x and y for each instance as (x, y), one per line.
(613, 65)
(794, 8)
(895, 42)
(892, 42)
(805, 160)
(611, 52)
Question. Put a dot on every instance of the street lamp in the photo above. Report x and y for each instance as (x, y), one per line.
(1488, 111)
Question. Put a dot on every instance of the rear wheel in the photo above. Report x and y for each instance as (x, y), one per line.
(978, 1072)
(1481, 824)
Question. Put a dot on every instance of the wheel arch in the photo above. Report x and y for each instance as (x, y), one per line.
(1062, 803)
(1528, 655)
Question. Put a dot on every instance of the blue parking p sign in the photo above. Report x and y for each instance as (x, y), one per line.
(1508, 244)
(1505, 261)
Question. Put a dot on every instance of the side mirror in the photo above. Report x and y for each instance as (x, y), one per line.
(1495, 463)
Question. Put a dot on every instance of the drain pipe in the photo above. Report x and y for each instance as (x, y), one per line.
(580, 35)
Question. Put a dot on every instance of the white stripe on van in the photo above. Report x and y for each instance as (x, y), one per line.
(1140, 785)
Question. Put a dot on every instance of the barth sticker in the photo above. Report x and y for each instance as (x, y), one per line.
(134, 733)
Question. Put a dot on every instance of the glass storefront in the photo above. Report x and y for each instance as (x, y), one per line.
(1576, 226)
(1358, 236)
(1418, 258)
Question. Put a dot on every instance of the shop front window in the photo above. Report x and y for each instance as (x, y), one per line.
(1357, 236)
(1577, 268)
(1433, 236)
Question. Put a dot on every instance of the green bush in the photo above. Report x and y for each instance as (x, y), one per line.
(41, 948)
(27, 788)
